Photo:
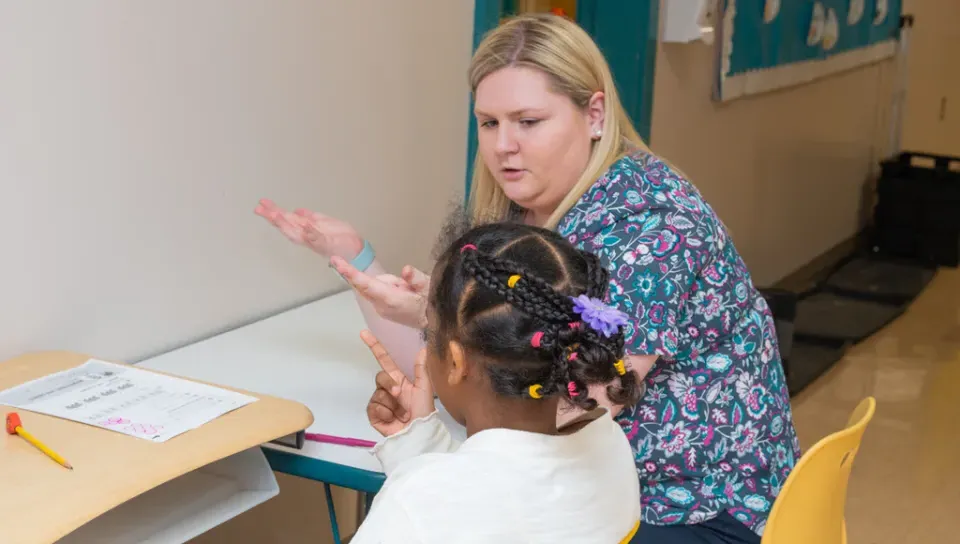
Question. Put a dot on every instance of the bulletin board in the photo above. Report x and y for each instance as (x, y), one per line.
(767, 45)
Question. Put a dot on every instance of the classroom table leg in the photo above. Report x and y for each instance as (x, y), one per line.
(333, 514)
(361, 507)
(364, 503)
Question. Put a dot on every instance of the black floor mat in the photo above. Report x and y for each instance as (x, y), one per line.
(808, 362)
(839, 319)
(863, 295)
(879, 280)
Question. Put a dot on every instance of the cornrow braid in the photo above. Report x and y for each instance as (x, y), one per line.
(532, 294)
(506, 293)
(597, 276)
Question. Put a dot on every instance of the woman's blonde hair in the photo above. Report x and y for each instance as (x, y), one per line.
(563, 51)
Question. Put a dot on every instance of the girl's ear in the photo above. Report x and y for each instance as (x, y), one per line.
(458, 368)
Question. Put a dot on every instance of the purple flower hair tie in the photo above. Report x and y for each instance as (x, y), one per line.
(601, 317)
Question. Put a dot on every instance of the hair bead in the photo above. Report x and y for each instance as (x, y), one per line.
(468, 247)
(621, 369)
(536, 391)
(572, 389)
(572, 356)
(537, 339)
(512, 282)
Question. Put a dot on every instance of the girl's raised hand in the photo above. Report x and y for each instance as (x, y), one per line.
(325, 235)
(397, 401)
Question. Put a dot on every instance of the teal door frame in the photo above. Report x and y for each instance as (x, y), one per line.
(626, 32)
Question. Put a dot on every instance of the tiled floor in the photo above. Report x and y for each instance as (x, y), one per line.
(905, 481)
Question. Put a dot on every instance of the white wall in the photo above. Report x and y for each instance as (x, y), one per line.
(136, 139)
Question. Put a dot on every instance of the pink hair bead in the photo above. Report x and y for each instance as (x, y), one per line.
(572, 389)
(468, 246)
(572, 357)
(537, 338)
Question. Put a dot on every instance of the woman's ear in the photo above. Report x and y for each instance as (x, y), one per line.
(596, 109)
(458, 370)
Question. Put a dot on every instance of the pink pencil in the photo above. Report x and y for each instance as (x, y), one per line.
(340, 440)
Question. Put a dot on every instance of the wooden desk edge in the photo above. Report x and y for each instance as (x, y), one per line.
(296, 417)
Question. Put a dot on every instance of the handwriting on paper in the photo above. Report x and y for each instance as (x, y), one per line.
(125, 399)
(114, 421)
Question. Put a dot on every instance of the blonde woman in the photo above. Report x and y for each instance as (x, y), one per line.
(713, 436)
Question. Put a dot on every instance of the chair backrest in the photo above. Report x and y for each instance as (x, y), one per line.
(810, 507)
(631, 534)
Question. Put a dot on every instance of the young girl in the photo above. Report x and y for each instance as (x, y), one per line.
(515, 322)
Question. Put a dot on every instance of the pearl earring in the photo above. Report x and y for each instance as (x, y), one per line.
(597, 133)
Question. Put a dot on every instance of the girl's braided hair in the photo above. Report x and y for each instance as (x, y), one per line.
(506, 293)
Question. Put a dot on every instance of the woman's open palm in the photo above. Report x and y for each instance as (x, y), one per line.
(326, 235)
(397, 401)
(400, 299)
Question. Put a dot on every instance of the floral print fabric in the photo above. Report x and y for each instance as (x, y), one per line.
(714, 430)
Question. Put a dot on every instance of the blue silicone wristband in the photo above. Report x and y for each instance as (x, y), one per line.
(365, 258)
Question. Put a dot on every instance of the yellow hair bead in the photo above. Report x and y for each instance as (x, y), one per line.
(620, 367)
(512, 282)
(535, 391)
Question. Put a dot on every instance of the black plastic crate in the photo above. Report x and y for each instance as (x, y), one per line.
(917, 214)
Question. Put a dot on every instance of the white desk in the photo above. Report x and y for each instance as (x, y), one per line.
(313, 355)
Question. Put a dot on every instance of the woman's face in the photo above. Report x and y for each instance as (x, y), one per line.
(535, 141)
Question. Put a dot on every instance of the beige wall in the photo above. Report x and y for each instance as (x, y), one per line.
(786, 170)
(932, 112)
(789, 171)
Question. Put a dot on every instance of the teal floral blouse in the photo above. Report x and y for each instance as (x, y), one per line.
(714, 431)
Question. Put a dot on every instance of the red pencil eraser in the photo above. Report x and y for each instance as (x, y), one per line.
(13, 421)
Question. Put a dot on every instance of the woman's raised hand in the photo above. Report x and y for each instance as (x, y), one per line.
(397, 401)
(326, 235)
(400, 299)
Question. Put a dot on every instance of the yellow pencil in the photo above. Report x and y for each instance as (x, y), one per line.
(14, 426)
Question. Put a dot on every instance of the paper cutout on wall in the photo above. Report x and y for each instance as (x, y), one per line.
(880, 12)
(771, 44)
(855, 14)
(770, 10)
(831, 31)
(817, 20)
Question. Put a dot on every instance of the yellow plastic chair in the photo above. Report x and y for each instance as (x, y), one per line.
(631, 534)
(810, 507)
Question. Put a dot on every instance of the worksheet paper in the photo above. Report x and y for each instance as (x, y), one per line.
(125, 399)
